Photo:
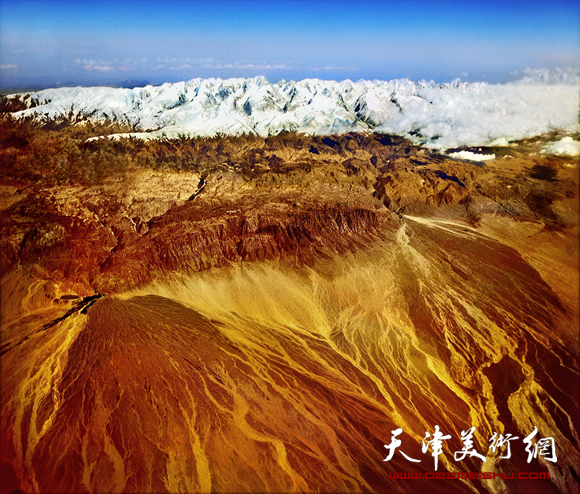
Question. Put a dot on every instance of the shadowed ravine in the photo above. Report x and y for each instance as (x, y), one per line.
(264, 378)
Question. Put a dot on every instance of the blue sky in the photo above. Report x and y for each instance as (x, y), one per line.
(46, 43)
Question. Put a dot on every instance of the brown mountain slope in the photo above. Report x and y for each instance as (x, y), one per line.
(258, 315)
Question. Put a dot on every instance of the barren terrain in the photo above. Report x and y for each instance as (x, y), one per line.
(259, 314)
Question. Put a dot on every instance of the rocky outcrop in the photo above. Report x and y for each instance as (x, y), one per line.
(289, 197)
(188, 239)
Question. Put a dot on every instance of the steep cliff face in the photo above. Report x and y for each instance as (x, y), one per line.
(258, 315)
(187, 239)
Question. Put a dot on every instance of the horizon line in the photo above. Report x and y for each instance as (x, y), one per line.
(567, 74)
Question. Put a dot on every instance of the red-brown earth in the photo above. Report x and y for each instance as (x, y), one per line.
(268, 331)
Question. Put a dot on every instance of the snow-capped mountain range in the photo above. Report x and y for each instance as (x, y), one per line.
(436, 115)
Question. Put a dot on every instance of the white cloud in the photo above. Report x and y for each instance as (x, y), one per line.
(173, 64)
(330, 67)
(160, 64)
(85, 61)
(99, 68)
(565, 147)
(174, 60)
(239, 65)
(558, 75)
(8, 66)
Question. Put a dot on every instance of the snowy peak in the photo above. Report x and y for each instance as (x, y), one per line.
(438, 115)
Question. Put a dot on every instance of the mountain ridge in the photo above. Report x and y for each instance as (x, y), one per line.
(436, 115)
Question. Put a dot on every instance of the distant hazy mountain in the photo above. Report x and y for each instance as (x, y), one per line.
(438, 115)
